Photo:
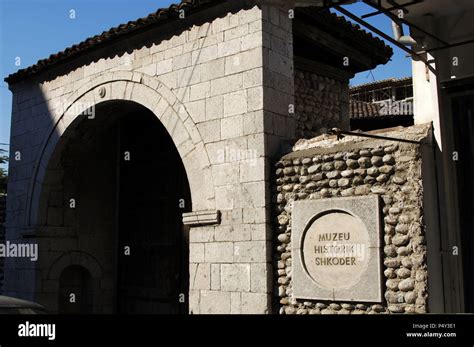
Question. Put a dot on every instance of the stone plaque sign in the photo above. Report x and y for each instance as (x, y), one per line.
(336, 249)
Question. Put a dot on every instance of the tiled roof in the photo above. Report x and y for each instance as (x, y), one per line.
(161, 15)
(382, 83)
(367, 110)
(361, 35)
(363, 110)
(157, 17)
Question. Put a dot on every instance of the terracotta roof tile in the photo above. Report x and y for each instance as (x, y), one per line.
(368, 110)
(123, 29)
(377, 84)
(362, 35)
(363, 110)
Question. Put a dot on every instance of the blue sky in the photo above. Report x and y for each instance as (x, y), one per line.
(34, 29)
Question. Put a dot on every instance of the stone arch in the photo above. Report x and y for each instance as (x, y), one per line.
(76, 280)
(83, 259)
(152, 94)
(74, 258)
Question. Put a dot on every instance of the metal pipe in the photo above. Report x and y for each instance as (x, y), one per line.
(401, 20)
(340, 134)
(398, 30)
(380, 33)
(398, 35)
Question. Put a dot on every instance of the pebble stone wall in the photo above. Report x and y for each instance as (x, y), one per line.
(388, 169)
(320, 103)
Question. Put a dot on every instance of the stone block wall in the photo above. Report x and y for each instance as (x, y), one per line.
(321, 103)
(326, 168)
(231, 262)
(213, 85)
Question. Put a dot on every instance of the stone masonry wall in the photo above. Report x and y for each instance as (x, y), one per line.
(359, 167)
(321, 103)
(231, 263)
(213, 86)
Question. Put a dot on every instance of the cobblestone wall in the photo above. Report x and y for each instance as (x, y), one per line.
(321, 103)
(325, 168)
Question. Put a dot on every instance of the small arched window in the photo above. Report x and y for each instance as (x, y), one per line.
(75, 291)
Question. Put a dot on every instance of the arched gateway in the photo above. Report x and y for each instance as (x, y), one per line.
(142, 90)
(146, 155)
(113, 175)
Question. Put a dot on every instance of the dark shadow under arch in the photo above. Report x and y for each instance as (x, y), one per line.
(129, 189)
(76, 295)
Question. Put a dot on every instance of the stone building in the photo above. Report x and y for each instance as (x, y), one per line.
(142, 158)
(382, 104)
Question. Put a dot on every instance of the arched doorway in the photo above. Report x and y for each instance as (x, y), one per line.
(124, 189)
(75, 291)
